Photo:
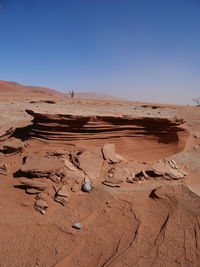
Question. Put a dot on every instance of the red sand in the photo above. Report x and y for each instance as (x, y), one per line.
(135, 215)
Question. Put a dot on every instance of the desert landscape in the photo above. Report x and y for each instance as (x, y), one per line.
(92, 182)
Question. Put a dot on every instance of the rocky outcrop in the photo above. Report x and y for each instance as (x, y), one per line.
(61, 155)
(161, 137)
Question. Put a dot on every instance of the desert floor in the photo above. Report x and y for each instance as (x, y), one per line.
(141, 160)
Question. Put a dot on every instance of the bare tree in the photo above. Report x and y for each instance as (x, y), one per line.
(196, 100)
(71, 94)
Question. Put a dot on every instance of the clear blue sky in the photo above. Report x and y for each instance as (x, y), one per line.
(137, 49)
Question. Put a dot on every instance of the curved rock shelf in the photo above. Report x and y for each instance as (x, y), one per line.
(140, 138)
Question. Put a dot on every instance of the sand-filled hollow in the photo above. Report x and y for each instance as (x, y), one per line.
(139, 138)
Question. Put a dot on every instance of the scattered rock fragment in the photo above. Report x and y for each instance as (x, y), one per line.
(77, 226)
(25, 204)
(142, 175)
(7, 134)
(62, 195)
(42, 212)
(177, 174)
(39, 185)
(32, 191)
(63, 191)
(42, 195)
(40, 204)
(73, 172)
(173, 164)
(10, 147)
(110, 184)
(120, 174)
(42, 167)
(130, 181)
(3, 170)
(111, 173)
(164, 169)
(109, 154)
(43, 101)
(62, 200)
(70, 166)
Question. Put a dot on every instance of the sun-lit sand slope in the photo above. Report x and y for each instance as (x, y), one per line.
(141, 161)
(13, 87)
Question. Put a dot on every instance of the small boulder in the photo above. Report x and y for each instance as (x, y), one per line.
(87, 187)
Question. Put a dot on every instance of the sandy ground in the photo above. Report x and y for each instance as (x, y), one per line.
(151, 221)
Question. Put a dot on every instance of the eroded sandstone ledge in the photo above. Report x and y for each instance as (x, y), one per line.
(140, 138)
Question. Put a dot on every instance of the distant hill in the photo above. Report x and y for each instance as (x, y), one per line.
(13, 87)
(93, 95)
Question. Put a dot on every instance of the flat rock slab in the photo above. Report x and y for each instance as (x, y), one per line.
(109, 154)
(42, 166)
(32, 191)
(39, 185)
(91, 163)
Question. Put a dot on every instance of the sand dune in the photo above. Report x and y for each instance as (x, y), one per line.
(19, 89)
(13, 87)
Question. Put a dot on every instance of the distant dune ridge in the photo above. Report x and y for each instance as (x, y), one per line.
(93, 95)
(13, 87)
(6, 87)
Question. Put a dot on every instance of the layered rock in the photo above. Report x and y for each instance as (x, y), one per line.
(60, 155)
(42, 167)
(159, 136)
